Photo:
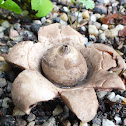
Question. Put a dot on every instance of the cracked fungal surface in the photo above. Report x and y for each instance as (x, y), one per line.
(59, 65)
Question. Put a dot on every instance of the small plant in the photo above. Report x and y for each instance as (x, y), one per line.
(42, 7)
(89, 4)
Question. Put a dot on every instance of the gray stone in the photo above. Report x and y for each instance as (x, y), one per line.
(5, 24)
(96, 121)
(100, 9)
(20, 122)
(31, 117)
(124, 122)
(1, 34)
(5, 102)
(17, 26)
(2, 28)
(3, 82)
(101, 94)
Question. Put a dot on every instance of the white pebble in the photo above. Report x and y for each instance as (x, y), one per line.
(86, 40)
(83, 28)
(106, 2)
(98, 25)
(63, 22)
(93, 18)
(104, 27)
(78, 14)
(100, 31)
(117, 119)
(101, 94)
(92, 30)
(102, 36)
(119, 27)
(5, 102)
(111, 96)
(37, 22)
(1, 34)
(54, 15)
(114, 32)
(97, 16)
(106, 122)
(65, 9)
(119, 97)
(5, 24)
(107, 33)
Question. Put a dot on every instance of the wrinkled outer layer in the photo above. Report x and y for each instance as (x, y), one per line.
(115, 56)
(56, 34)
(31, 87)
(18, 55)
(83, 102)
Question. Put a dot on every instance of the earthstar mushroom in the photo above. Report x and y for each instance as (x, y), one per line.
(63, 56)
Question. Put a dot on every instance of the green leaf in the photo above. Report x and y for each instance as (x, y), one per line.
(88, 3)
(10, 5)
(43, 7)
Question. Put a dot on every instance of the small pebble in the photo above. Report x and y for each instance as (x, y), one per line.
(5, 24)
(101, 94)
(58, 110)
(83, 28)
(96, 121)
(31, 123)
(1, 91)
(93, 18)
(106, 2)
(43, 20)
(65, 9)
(13, 33)
(119, 27)
(50, 122)
(1, 34)
(118, 120)
(3, 82)
(37, 22)
(2, 28)
(106, 122)
(85, 14)
(102, 36)
(100, 9)
(124, 122)
(64, 17)
(63, 22)
(20, 122)
(92, 30)
(54, 15)
(104, 27)
(92, 38)
(5, 102)
(111, 96)
(31, 117)
(107, 33)
(114, 32)
(98, 25)
(17, 112)
(17, 26)
(83, 124)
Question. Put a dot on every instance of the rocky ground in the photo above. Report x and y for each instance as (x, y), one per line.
(97, 26)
